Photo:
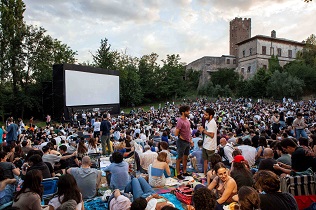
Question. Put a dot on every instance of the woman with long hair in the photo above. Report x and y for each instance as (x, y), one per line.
(82, 149)
(67, 190)
(156, 171)
(29, 197)
(225, 186)
(248, 199)
(92, 145)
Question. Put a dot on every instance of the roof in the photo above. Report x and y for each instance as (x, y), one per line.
(269, 38)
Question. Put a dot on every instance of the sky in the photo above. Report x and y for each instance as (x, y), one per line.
(190, 28)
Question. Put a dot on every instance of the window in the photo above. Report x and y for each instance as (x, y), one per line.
(249, 69)
(264, 50)
(228, 61)
(234, 61)
(271, 51)
(250, 51)
(264, 66)
(290, 53)
(243, 53)
(279, 52)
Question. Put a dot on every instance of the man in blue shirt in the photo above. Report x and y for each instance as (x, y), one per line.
(197, 159)
(12, 132)
(105, 129)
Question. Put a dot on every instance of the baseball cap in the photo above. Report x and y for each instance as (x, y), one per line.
(238, 159)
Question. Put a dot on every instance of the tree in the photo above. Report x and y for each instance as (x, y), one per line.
(282, 84)
(104, 57)
(147, 70)
(225, 77)
(12, 34)
(130, 89)
(274, 64)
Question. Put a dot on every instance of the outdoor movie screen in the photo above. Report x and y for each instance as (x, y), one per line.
(86, 88)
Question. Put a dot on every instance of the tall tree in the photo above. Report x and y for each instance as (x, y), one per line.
(104, 57)
(12, 29)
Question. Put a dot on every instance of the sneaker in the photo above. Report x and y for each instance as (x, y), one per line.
(180, 177)
(186, 174)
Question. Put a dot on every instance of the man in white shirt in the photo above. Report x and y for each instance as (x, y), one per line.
(209, 137)
(96, 128)
(147, 158)
(248, 152)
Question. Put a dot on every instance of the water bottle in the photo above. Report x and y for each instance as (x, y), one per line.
(130, 196)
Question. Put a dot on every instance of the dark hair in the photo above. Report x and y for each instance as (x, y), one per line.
(303, 141)
(2, 174)
(200, 143)
(248, 198)
(288, 143)
(164, 145)
(92, 142)
(236, 152)
(81, 147)
(240, 168)
(204, 198)
(139, 204)
(67, 187)
(169, 208)
(280, 148)
(24, 143)
(219, 166)
(285, 135)
(35, 159)
(215, 158)
(210, 111)
(262, 141)
(2, 154)
(247, 142)
(267, 181)
(117, 157)
(63, 148)
(45, 148)
(32, 181)
(184, 109)
(33, 152)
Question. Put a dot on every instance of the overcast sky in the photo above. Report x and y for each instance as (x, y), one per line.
(190, 28)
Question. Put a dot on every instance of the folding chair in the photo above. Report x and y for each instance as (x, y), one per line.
(50, 188)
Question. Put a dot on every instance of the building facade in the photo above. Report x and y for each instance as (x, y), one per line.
(209, 64)
(254, 53)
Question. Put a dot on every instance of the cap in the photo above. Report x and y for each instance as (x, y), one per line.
(238, 159)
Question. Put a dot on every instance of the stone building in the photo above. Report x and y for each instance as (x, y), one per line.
(239, 30)
(254, 53)
(209, 64)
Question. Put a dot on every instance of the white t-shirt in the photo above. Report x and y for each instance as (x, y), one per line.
(54, 202)
(249, 153)
(208, 142)
(96, 126)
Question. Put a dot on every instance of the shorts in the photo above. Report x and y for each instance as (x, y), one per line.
(206, 154)
(183, 148)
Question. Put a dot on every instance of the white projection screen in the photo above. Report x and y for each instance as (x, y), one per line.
(85, 88)
(78, 89)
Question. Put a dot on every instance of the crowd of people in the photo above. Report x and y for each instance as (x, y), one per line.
(243, 147)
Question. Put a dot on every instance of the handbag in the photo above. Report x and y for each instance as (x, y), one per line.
(184, 194)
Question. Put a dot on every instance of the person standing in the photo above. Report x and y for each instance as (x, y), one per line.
(105, 129)
(209, 137)
(48, 119)
(11, 131)
(184, 140)
(299, 125)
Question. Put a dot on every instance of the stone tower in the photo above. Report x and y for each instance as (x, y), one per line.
(240, 30)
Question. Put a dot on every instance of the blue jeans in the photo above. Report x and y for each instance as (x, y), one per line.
(139, 188)
(299, 133)
(8, 194)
